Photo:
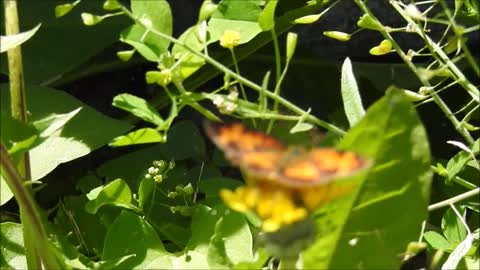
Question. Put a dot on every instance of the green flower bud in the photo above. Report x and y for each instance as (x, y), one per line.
(340, 36)
(291, 44)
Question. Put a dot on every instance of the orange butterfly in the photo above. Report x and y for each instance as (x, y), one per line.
(265, 158)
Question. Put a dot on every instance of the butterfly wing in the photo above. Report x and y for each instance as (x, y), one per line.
(319, 167)
(255, 152)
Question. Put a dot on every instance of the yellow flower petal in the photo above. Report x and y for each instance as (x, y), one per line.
(230, 39)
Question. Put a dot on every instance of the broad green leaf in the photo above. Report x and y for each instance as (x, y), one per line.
(12, 41)
(17, 136)
(47, 61)
(206, 222)
(436, 240)
(352, 102)
(247, 10)
(139, 136)
(239, 16)
(266, 19)
(78, 137)
(82, 229)
(452, 226)
(397, 186)
(129, 235)
(282, 23)
(54, 123)
(116, 193)
(138, 107)
(12, 253)
(248, 30)
(232, 240)
(158, 16)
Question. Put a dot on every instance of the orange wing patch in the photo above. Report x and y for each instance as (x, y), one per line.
(263, 157)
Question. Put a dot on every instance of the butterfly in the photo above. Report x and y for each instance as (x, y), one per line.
(265, 158)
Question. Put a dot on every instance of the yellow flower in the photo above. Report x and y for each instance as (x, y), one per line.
(230, 39)
(234, 199)
(274, 206)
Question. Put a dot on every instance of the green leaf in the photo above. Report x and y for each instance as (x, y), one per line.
(266, 19)
(138, 107)
(352, 102)
(54, 123)
(232, 241)
(239, 16)
(82, 229)
(247, 10)
(12, 41)
(397, 186)
(76, 138)
(45, 61)
(158, 16)
(12, 253)
(79, 136)
(301, 127)
(116, 193)
(436, 240)
(17, 136)
(452, 226)
(132, 235)
(459, 252)
(139, 136)
(248, 30)
(190, 62)
(458, 162)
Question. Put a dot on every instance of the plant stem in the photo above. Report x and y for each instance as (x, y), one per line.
(15, 72)
(436, 98)
(276, 48)
(238, 77)
(455, 199)
(19, 112)
(33, 227)
(456, 179)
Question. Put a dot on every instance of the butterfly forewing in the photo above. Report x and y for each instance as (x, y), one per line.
(266, 158)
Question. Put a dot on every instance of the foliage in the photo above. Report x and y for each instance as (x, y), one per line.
(157, 206)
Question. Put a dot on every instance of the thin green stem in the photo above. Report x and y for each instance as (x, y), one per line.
(32, 221)
(438, 53)
(455, 199)
(455, 179)
(458, 35)
(237, 70)
(276, 48)
(277, 93)
(287, 104)
(15, 72)
(436, 98)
